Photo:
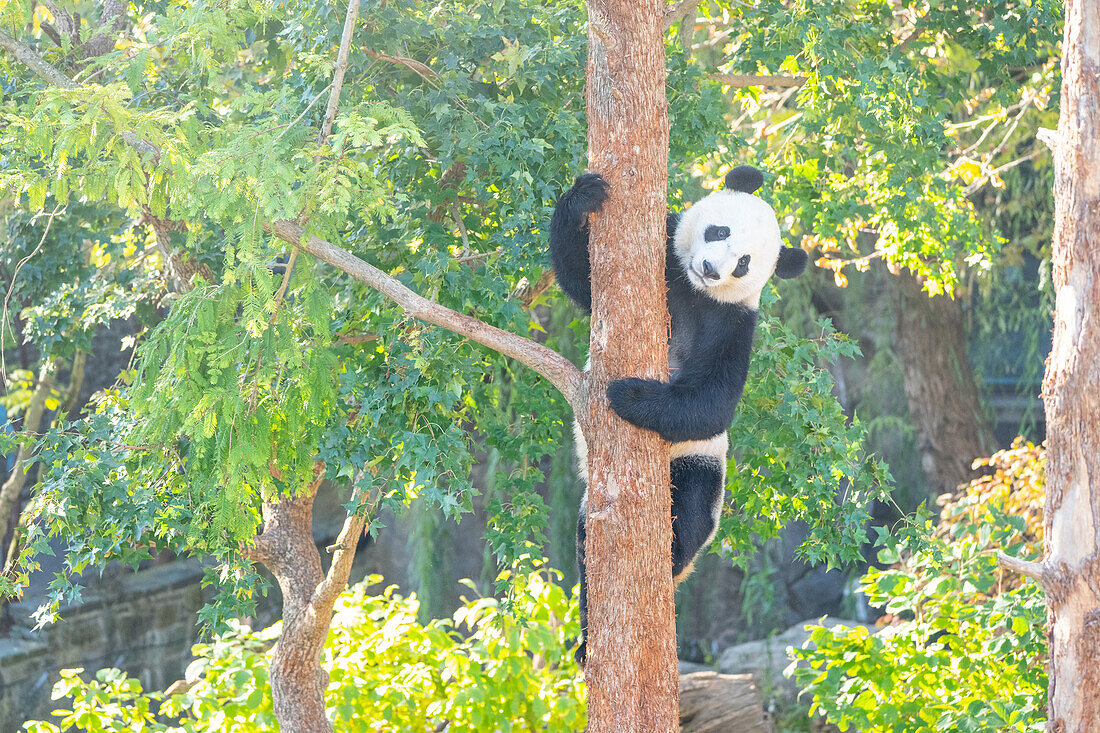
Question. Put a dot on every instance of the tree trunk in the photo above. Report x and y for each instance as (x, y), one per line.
(952, 429)
(298, 681)
(1071, 388)
(631, 669)
(13, 487)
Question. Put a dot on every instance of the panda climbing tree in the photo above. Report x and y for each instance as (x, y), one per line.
(719, 256)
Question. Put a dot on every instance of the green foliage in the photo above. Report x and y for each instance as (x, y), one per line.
(907, 110)
(109, 702)
(483, 669)
(796, 455)
(463, 125)
(967, 646)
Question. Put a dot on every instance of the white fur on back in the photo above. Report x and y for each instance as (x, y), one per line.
(717, 447)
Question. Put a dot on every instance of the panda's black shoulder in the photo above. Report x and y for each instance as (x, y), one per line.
(671, 222)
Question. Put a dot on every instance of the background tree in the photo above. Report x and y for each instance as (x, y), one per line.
(1070, 388)
(892, 129)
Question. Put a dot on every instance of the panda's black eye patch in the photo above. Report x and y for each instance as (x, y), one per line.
(742, 266)
(715, 233)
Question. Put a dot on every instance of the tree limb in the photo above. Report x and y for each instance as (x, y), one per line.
(324, 597)
(426, 72)
(29, 58)
(560, 371)
(547, 362)
(341, 69)
(32, 419)
(1033, 570)
(679, 11)
(742, 81)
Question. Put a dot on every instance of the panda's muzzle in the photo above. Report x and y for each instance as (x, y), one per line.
(709, 272)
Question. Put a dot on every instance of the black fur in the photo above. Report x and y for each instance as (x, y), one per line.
(744, 178)
(569, 237)
(711, 343)
(791, 262)
(582, 648)
(697, 485)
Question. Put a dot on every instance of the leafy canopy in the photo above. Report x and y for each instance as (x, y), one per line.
(458, 126)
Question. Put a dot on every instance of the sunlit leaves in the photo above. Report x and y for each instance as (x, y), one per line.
(481, 669)
(965, 647)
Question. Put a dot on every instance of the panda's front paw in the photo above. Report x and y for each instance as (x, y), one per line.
(588, 193)
(634, 400)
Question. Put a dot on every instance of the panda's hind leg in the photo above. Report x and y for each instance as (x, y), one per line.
(697, 484)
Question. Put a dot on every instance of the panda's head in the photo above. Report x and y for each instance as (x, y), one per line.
(729, 243)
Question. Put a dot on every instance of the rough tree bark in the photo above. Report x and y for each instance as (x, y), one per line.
(631, 668)
(1071, 388)
(952, 428)
(286, 547)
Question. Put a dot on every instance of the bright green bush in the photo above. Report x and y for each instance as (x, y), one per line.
(966, 646)
(493, 666)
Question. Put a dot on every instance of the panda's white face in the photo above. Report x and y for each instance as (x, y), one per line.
(728, 244)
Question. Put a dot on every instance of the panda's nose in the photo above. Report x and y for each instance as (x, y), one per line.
(709, 271)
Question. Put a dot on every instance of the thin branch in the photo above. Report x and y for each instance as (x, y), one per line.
(419, 67)
(29, 58)
(427, 74)
(560, 371)
(282, 288)
(679, 11)
(1033, 570)
(742, 81)
(11, 286)
(298, 119)
(358, 338)
(478, 256)
(324, 597)
(527, 294)
(918, 29)
(976, 185)
(456, 214)
(341, 69)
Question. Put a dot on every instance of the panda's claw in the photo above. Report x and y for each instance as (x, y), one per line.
(588, 193)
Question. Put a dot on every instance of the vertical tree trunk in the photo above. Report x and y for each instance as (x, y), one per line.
(952, 429)
(286, 547)
(1071, 388)
(631, 668)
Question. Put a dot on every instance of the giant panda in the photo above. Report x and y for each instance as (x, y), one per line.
(719, 256)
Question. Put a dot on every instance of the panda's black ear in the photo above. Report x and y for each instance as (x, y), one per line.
(791, 262)
(744, 178)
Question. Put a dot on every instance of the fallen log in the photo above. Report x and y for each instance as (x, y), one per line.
(720, 703)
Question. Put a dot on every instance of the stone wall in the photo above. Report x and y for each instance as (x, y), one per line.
(143, 623)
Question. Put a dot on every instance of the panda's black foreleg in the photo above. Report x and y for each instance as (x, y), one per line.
(569, 237)
(697, 485)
